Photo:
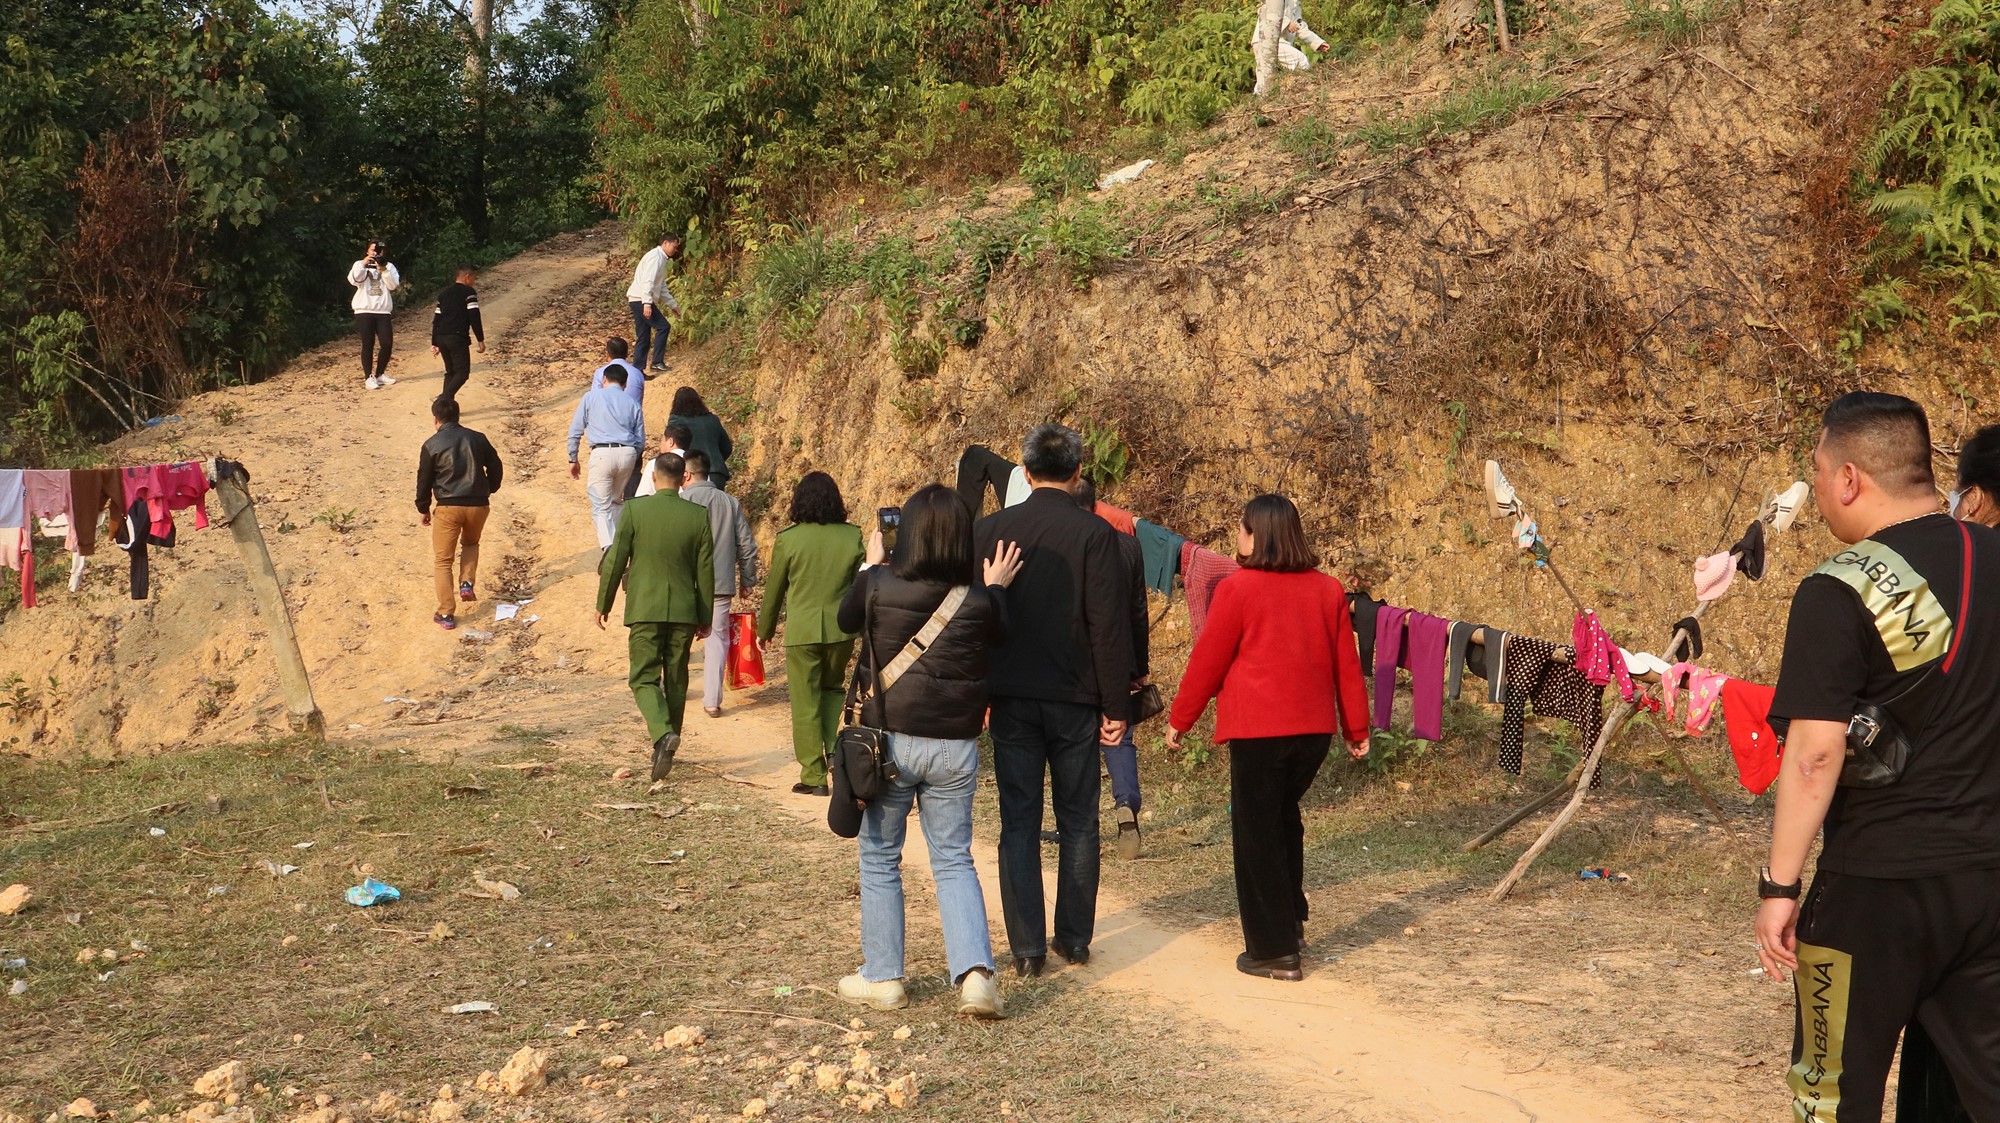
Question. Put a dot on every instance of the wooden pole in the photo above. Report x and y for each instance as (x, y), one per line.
(232, 486)
(1500, 25)
(1532, 806)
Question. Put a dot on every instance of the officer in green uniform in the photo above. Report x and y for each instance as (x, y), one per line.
(813, 563)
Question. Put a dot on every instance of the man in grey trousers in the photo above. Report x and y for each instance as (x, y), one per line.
(735, 568)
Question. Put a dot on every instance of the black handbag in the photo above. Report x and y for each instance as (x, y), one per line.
(1880, 743)
(1147, 702)
(861, 764)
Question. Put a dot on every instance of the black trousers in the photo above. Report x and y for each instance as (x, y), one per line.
(457, 367)
(377, 330)
(1267, 778)
(1031, 738)
(1876, 954)
(978, 468)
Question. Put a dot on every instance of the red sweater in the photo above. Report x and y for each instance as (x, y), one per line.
(1279, 649)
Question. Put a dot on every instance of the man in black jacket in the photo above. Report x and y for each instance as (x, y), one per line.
(1061, 687)
(453, 323)
(458, 470)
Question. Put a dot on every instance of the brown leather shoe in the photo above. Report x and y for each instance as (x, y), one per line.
(1283, 967)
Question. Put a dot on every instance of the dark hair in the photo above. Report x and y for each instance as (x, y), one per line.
(445, 409)
(687, 403)
(671, 236)
(816, 499)
(681, 435)
(1278, 539)
(617, 348)
(697, 462)
(465, 271)
(934, 542)
(1052, 453)
(1086, 495)
(376, 244)
(1885, 435)
(615, 373)
(1979, 461)
(670, 467)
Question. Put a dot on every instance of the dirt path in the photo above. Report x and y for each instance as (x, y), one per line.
(317, 443)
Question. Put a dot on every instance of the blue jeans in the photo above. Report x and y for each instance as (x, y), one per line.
(942, 774)
(648, 332)
(1033, 739)
(1122, 761)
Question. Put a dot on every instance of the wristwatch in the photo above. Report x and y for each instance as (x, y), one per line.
(1769, 890)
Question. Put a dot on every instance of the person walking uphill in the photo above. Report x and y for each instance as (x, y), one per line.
(812, 564)
(1122, 759)
(735, 571)
(646, 294)
(375, 279)
(1061, 687)
(1898, 634)
(664, 559)
(617, 431)
(705, 432)
(459, 472)
(932, 712)
(1278, 655)
(454, 322)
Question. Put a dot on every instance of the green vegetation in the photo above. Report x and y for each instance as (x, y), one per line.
(1931, 175)
(1492, 101)
(1676, 23)
(187, 183)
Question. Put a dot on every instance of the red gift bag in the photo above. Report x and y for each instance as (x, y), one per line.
(745, 665)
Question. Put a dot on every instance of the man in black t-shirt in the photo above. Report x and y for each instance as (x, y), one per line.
(1903, 921)
(452, 323)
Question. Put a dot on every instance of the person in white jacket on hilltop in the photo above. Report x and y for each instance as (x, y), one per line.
(374, 278)
(1281, 28)
(646, 295)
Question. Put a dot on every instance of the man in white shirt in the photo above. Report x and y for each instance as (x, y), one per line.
(646, 296)
(635, 385)
(676, 441)
(374, 278)
(616, 432)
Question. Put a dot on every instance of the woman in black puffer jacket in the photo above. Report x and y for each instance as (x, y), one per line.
(933, 714)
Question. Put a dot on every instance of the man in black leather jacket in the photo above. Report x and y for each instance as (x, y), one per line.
(459, 471)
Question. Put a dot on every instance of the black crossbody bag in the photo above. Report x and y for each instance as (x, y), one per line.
(1880, 743)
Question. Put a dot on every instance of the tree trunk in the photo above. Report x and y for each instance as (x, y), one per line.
(478, 66)
(1451, 20)
(1264, 44)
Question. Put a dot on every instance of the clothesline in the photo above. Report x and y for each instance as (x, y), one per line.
(72, 503)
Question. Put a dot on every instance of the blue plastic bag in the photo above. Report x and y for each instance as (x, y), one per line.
(372, 892)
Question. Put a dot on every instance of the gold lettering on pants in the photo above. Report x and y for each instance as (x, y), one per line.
(1822, 983)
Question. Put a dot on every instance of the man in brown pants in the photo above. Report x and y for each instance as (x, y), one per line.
(458, 470)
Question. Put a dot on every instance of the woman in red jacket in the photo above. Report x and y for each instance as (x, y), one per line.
(1279, 650)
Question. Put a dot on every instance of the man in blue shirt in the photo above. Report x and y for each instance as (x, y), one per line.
(635, 385)
(617, 431)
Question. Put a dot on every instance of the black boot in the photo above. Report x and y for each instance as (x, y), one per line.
(663, 755)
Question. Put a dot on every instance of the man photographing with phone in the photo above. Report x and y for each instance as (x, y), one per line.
(374, 278)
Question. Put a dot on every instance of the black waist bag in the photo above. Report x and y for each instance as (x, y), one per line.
(1882, 738)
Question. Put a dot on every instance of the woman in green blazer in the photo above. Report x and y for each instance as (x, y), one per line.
(706, 431)
(813, 563)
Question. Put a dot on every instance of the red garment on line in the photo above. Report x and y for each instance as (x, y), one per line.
(17, 551)
(1278, 657)
(1202, 570)
(1118, 517)
(1746, 712)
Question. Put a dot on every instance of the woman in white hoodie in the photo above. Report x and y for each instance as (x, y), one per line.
(374, 278)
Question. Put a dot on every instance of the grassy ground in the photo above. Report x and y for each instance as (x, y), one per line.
(703, 908)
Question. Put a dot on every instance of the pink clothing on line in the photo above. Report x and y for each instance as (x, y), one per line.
(17, 551)
(1704, 690)
(167, 488)
(1597, 657)
(1712, 576)
(1202, 570)
(1414, 641)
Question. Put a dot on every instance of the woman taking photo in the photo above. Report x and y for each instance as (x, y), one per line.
(932, 715)
(1279, 651)
(705, 429)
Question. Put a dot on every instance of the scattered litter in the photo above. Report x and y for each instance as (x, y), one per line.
(217, 890)
(156, 422)
(529, 619)
(141, 946)
(1600, 875)
(302, 846)
(14, 898)
(372, 892)
(492, 890)
(19, 963)
(393, 700)
(19, 988)
(105, 976)
(355, 725)
(1126, 174)
(473, 1008)
(1751, 971)
(157, 832)
(782, 992)
(505, 612)
(275, 869)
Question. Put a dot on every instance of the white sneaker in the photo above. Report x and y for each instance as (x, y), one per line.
(385, 380)
(1500, 495)
(882, 996)
(979, 996)
(373, 383)
(1785, 508)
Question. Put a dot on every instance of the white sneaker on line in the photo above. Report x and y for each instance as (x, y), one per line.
(885, 995)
